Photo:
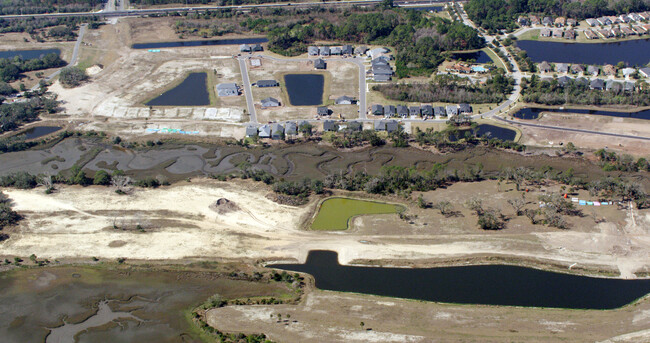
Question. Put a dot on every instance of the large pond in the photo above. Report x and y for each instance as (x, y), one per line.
(488, 284)
(193, 91)
(533, 113)
(476, 56)
(28, 54)
(335, 213)
(39, 131)
(632, 52)
(238, 41)
(305, 89)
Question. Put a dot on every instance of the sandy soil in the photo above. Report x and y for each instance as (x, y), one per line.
(178, 223)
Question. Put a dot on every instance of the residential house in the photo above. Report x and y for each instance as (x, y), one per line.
(374, 53)
(335, 51)
(591, 34)
(628, 31)
(360, 50)
(267, 83)
(617, 32)
(402, 110)
(628, 71)
(330, 125)
(571, 22)
(609, 70)
(277, 131)
(322, 111)
(624, 18)
(645, 15)
(548, 79)
(312, 51)
(355, 126)
(290, 129)
(545, 32)
(593, 70)
(523, 21)
(391, 126)
(645, 72)
(547, 21)
(606, 33)
(390, 111)
(570, 34)
(604, 21)
(464, 108)
(581, 81)
(245, 48)
(347, 50)
(257, 47)
(629, 86)
(265, 131)
(577, 68)
(270, 102)
(560, 21)
(227, 89)
(639, 30)
(320, 64)
(646, 27)
(564, 80)
(377, 110)
(344, 100)
(544, 67)
(427, 110)
(557, 33)
(452, 110)
(414, 111)
(381, 78)
(592, 22)
(380, 125)
(597, 84)
(562, 67)
(612, 85)
(635, 17)
(614, 19)
(534, 20)
(439, 111)
(324, 50)
(251, 131)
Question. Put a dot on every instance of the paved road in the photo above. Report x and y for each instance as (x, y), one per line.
(362, 87)
(248, 93)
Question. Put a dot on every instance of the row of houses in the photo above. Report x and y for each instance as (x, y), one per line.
(598, 84)
(615, 32)
(274, 131)
(607, 69)
(250, 48)
(546, 21)
(380, 69)
(621, 19)
(345, 50)
(424, 110)
(558, 33)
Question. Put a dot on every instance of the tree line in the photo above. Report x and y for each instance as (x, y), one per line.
(11, 69)
(48, 6)
(15, 114)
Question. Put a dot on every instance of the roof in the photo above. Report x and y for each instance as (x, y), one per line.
(613, 85)
(593, 70)
(464, 108)
(414, 110)
(265, 131)
(335, 50)
(379, 109)
(381, 77)
(380, 125)
(347, 50)
(291, 128)
(628, 71)
(322, 110)
(576, 68)
(245, 48)
(251, 131)
(391, 125)
(629, 85)
(597, 84)
(564, 80)
(329, 125)
(390, 109)
(267, 83)
(312, 50)
(324, 50)
(401, 109)
(427, 110)
(439, 111)
(645, 71)
(343, 99)
(319, 64)
(562, 67)
(544, 66)
(227, 86)
(270, 102)
(355, 126)
(452, 109)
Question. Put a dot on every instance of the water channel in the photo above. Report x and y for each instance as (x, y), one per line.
(236, 41)
(28, 54)
(632, 52)
(533, 113)
(484, 284)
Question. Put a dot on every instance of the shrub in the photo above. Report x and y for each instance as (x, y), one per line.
(72, 77)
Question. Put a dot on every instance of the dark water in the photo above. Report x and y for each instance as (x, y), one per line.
(533, 113)
(490, 285)
(193, 91)
(478, 56)
(28, 54)
(425, 8)
(305, 89)
(486, 129)
(39, 131)
(632, 52)
(200, 43)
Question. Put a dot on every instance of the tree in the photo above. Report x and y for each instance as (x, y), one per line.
(531, 214)
(491, 219)
(306, 130)
(476, 205)
(444, 207)
(121, 183)
(102, 178)
(78, 176)
(421, 202)
(518, 204)
(72, 77)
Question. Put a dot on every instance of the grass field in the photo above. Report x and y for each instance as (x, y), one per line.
(335, 213)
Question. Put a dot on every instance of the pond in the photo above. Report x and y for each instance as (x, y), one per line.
(305, 89)
(632, 52)
(237, 41)
(335, 213)
(486, 284)
(477, 56)
(492, 131)
(39, 131)
(193, 91)
(28, 54)
(533, 113)
(424, 8)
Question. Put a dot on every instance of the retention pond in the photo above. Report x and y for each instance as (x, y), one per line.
(632, 52)
(485, 284)
(305, 89)
(193, 91)
(28, 54)
(237, 41)
(533, 113)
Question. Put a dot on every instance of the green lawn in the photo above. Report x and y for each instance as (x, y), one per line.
(335, 213)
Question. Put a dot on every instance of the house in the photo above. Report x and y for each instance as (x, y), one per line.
(427, 110)
(604, 21)
(380, 125)
(227, 89)
(464, 108)
(591, 34)
(645, 15)
(645, 72)
(628, 31)
(614, 19)
(391, 126)
(564, 80)
(577, 68)
(635, 17)
(414, 111)
(267, 83)
(376, 52)
(344, 100)
(546, 79)
(402, 110)
(592, 22)
(570, 34)
(270, 102)
(452, 110)
(571, 22)
(377, 110)
(624, 18)
(330, 125)
(547, 21)
(639, 30)
(360, 50)
(381, 78)
(582, 81)
(312, 51)
(609, 70)
(557, 33)
(545, 32)
(617, 32)
(628, 71)
(303, 125)
(320, 64)
(257, 47)
(460, 68)
(562, 67)
(523, 21)
(593, 70)
(290, 129)
(277, 131)
(324, 51)
(646, 27)
(439, 111)
(251, 131)
(245, 48)
(597, 84)
(381, 69)
(354, 126)
(335, 51)
(322, 111)
(544, 67)
(606, 33)
(629, 86)
(534, 20)
(390, 111)
(612, 85)
(265, 131)
(560, 21)
(347, 50)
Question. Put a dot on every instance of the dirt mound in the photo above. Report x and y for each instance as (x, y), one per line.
(94, 70)
(223, 206)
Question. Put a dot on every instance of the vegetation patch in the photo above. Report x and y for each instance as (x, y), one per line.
(335, 213)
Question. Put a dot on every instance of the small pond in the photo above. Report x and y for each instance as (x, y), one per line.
(533, 113)
(486, 284)
(28, 54)
(193, 91)
(237, 41)
(424, 8)
(38, 131)
(477, 56)
(492, 131)
(632, 52)
(305, 89)
(335, 213)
